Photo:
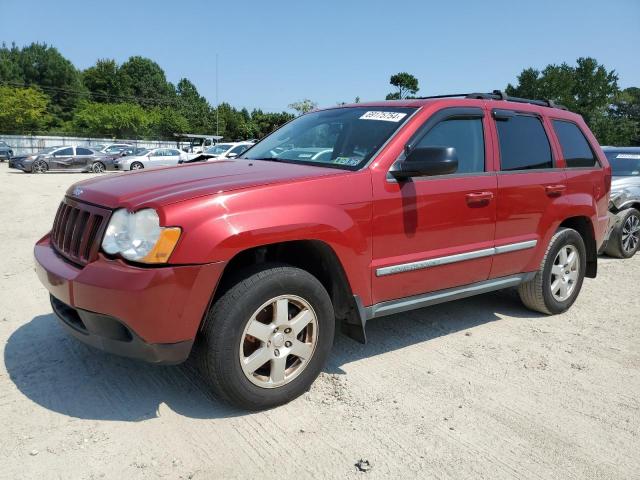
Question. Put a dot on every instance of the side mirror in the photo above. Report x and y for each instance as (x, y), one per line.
(426, 161)
(232, 155)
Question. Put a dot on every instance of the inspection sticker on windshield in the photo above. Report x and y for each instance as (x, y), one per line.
(384, 116)
(629, 156)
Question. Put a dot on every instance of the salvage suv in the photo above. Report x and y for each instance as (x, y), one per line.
(248, 264)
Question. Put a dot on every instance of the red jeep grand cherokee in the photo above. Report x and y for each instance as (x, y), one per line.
(346, 214)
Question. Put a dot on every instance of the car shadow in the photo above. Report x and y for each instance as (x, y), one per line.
(63, 375)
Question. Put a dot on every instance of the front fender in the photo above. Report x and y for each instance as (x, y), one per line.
(217, 228)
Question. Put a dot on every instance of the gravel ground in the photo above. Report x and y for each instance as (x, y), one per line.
(479, 388)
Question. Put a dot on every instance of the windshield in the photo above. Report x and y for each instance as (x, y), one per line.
(341, 137)
(624, 164)
(218, 149)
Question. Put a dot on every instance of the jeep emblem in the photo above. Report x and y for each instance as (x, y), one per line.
(77, 192)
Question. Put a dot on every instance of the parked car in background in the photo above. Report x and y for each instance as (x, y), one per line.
(115, 148)
(98, 147)
(155, 157)
(254, 262)
(624, 240)
(6, 152)
(220, 151)
(68, 158)
(133, 151)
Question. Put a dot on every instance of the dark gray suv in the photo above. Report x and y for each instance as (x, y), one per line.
(68, 158)
(5, 152)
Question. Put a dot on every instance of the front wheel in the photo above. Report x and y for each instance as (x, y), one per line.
(267, 338)
(137, 166)
(39, 166)
(625, 237)
(558, 281)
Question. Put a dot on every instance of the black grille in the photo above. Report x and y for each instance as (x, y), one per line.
(77, 230)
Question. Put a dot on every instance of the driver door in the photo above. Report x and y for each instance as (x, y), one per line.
(156, 158)
(437, 232)
(62, 159)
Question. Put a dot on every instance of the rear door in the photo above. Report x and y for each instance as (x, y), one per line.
(83, 159)
(531, 182)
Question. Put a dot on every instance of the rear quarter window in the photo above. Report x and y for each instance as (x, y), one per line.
(575, 147)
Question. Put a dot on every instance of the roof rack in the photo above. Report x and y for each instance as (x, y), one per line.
(499, 95)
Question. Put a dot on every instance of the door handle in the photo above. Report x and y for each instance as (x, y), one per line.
(554, 190)
(478, 199)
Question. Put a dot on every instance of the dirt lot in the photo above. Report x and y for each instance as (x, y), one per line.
(480, 388)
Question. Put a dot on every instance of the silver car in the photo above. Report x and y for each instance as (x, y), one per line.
(156, 157)
(624, 202)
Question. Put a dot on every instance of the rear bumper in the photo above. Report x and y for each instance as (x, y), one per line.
(160, 307)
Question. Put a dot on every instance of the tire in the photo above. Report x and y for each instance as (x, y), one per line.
(220, 346)
(39, 166)
(537, 294)
(98, 167)
(136, 166)
(625, 237)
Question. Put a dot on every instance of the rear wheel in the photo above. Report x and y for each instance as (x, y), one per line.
(267, 338)
(98, 167)
(558, 281)
(625, 237)
(39, 166)
(137, 166)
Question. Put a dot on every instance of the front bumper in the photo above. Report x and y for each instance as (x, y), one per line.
(149, 313)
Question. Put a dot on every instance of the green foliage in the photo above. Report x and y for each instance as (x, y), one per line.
(591, 90)
(130, 100)
(104, 81)
(22, 109)
(143, 79)
(303, 106)
(406, 84)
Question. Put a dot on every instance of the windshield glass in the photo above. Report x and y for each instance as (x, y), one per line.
(624, 164)
(218, 149)
(341, 137)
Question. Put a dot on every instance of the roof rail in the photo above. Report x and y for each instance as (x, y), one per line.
(499, 95)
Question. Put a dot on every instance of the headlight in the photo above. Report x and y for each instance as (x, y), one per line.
(139, 237)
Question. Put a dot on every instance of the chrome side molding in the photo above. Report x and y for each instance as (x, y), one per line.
(440, 296)
(460, 257)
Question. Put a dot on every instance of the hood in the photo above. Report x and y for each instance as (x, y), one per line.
(162, 186)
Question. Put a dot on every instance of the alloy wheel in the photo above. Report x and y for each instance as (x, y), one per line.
(278, 341)
(631, 233)
(39, 167)
(565, 273)
(98, 167)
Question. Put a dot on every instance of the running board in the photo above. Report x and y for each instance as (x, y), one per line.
(357, 329)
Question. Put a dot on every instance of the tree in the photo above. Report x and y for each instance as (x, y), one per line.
(120, 120)
(193, 107)
(303, 106)
(587, 88)
(406, 84)
(10, 70)
(44, 66)
(103, 81)
(22, 110)
(145, 81)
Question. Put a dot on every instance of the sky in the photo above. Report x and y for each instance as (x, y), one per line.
(273, 53)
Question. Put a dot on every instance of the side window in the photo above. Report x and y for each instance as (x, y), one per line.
(83, 151)
(157, 153)
(64, 152)
(174, 153)
(575, 148)
(523, 143)
(466, 135)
